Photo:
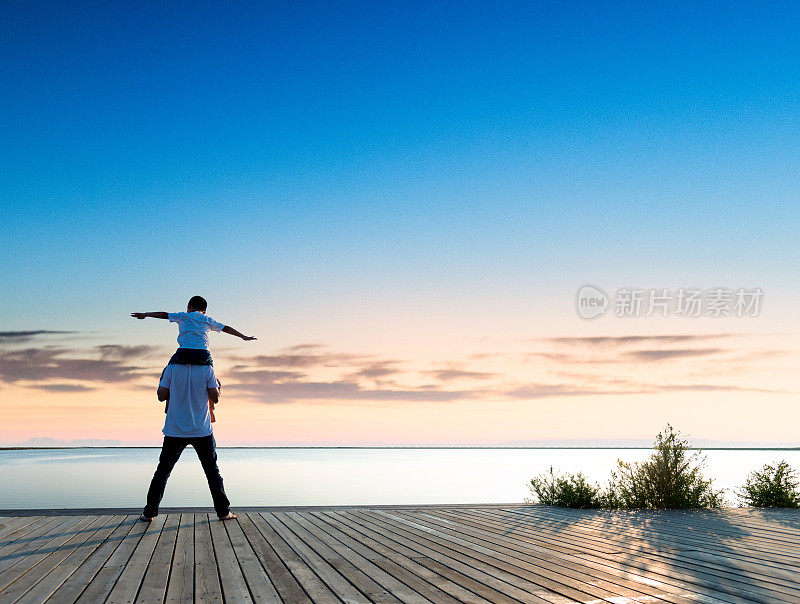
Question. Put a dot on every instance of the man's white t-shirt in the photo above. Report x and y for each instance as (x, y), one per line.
(188, 415)
(193, 328)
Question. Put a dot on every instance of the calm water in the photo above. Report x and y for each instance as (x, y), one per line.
(263, 477)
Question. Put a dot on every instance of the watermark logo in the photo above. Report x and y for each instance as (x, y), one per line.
(635, 302)
(591, 302)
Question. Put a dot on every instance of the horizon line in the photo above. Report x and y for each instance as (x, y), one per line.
(68, 447)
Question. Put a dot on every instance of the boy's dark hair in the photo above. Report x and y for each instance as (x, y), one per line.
(198, 302)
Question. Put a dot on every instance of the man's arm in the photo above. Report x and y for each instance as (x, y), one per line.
(213, 395)
(155, 315)
(163, 393)
(233, 332)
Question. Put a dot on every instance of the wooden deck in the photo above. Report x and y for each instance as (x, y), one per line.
(480, 553)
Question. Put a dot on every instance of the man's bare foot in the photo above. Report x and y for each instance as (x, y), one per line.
(144, 518)
(230, 516)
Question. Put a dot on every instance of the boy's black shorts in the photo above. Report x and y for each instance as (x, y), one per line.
(191, 356)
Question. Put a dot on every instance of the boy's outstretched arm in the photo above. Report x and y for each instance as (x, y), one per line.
(233, 332)
(144, 315)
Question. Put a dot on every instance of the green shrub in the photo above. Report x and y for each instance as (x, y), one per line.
(771, 487)
(545, 488)
(670, 479)
(569, 490)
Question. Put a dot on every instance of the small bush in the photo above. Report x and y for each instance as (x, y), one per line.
(545, 488)
(670, 479)
(569, 490)
(771, 487)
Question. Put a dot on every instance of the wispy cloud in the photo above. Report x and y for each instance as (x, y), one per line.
(277, 387)
(119, 352)
(26, 336)
(244, 374)
(716, 388)
(302, 361)
(604, 350)
(378, 369)
(671, 353)
(62, 387)
(42, 364)
(303, 348)
(624, 388)
(446, 375)
(535, 391)
(38, 365)
(639, 339)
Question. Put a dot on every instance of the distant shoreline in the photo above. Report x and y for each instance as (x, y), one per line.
(487, 447)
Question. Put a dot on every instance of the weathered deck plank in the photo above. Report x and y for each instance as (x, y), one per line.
(35, 550)
(529, 579)
(681, 537)
(635, 547)
(105, 579)
(258, 582)
(127, 586)
(374, 575)
(9, 526)
(629, 554)
(457, 583)
(569, 557)
(49, 558)
(154, 583)
(646, 555)
(539, 559)
(411, 554)
(324, 568)
(70, 559)
(71, 588)
(400, 556)
(290, 574)
(381, 561)
(475, 570)
(23, 536)
(181, 578)
(231, 577)
(207, 587)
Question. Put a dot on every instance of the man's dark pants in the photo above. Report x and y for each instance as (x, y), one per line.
(206, 449)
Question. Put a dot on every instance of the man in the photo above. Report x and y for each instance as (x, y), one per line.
(189, 389)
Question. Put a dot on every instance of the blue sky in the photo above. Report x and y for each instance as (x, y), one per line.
(402, 128)
(314, 165)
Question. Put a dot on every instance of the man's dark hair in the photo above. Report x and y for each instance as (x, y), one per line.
(198, 302)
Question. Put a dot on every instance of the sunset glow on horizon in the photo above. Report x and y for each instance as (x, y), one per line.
(402, 203)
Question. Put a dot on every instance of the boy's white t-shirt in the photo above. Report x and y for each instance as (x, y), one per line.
(193, 328)
(188, 415)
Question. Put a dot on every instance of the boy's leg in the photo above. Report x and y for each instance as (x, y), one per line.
(170, 453)
(206, 449)
(166, 404)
